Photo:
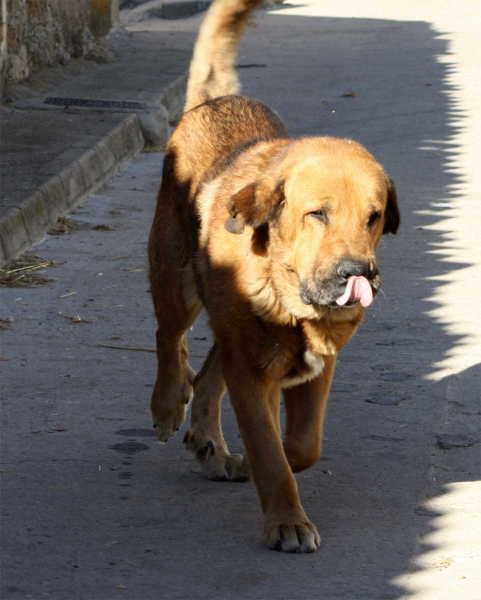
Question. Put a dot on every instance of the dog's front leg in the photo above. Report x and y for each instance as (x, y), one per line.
(256, 404)
(305, 406)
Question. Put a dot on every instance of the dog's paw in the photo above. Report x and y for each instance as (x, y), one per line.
(167, 420)
(168, 427)
(217, 464)
(292, 537)
(229, 467)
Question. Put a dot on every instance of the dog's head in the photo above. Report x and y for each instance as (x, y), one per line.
(319, 214)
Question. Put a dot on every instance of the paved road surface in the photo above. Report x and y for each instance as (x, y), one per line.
(95, 509)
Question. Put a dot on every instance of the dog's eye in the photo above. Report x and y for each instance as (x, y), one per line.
(375, 216)
(320, 214)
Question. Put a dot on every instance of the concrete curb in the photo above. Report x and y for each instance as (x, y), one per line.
(28, 222)
(172, 10)
(173, 97)
(179, 10)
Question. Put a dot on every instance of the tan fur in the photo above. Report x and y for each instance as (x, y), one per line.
(238, 229)
(212, 70)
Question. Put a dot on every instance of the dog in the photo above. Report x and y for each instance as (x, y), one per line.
(276, 238)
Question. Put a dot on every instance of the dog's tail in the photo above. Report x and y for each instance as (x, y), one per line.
(212, 70)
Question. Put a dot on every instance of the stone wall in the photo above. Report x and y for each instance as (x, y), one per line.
(40, 33)
(3, 41)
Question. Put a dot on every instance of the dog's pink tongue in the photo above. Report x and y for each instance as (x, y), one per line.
(357, 289)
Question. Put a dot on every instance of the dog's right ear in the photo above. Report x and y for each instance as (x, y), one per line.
(392, 217)
(240, 207)
(254, 205)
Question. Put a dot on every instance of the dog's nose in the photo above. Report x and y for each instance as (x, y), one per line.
(350, 267)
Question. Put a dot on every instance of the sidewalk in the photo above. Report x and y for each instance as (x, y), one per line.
(55, 156)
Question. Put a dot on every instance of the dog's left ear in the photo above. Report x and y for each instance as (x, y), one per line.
(392, 218)
(254, 205)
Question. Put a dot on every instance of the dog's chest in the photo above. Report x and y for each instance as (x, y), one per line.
(307, 366)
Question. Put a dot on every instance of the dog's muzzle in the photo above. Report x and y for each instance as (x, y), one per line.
(347, 286)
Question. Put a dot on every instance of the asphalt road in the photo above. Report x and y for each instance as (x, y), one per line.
(94, 508)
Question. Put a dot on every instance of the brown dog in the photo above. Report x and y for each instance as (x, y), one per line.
(276, 238)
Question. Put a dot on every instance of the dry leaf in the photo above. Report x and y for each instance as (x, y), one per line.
(75, 319)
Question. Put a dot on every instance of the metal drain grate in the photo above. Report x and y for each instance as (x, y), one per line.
(122, 104)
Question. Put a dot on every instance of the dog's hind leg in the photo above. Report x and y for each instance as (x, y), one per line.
(176, 306)
(205, 438)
